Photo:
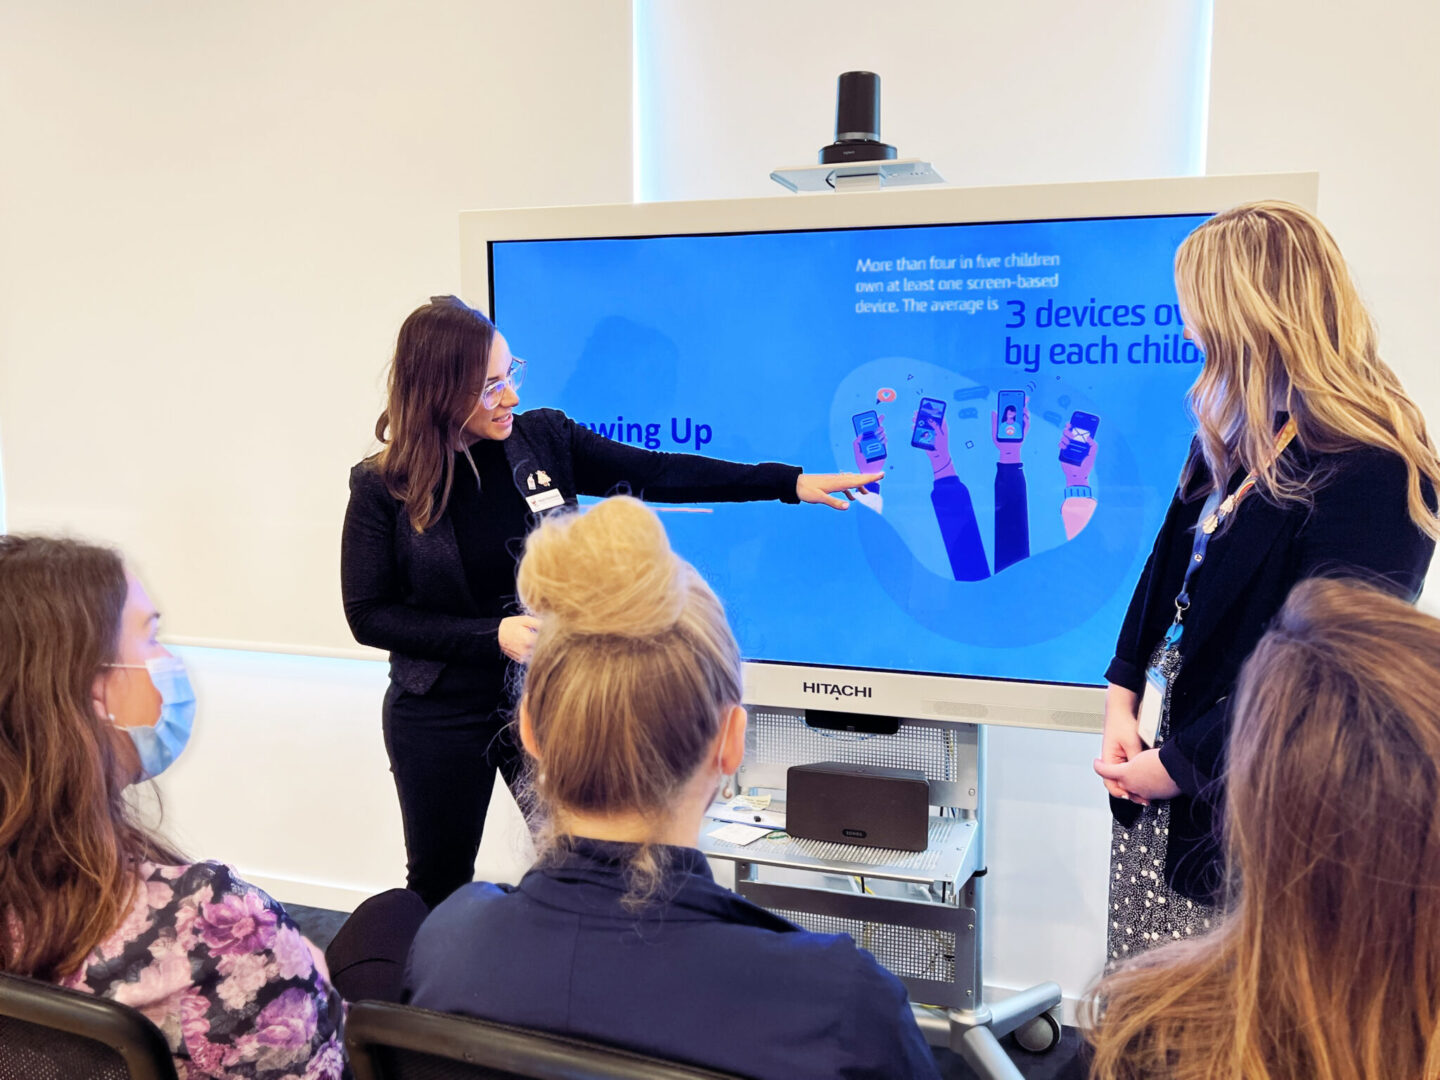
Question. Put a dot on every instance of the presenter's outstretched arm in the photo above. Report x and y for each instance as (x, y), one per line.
(604, 466)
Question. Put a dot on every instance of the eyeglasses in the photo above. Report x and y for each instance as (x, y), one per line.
(490, 396)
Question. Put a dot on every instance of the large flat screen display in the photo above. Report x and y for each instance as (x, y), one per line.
(1021, 385)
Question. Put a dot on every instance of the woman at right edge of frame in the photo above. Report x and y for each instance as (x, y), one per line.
(1310, 460)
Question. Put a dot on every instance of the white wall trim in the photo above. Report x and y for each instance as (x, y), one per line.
(316, 894)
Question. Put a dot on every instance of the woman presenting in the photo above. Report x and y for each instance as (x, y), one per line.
(1310, 460)
(432, 533)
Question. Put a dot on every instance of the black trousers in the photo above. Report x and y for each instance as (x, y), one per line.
(367, 956)
(444, 748)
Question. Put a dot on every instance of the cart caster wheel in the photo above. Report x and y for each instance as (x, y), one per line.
(1040, 1035)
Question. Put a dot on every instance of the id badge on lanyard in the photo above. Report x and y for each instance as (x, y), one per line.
(1157, 681)
(1157, 686)
(1152, 704)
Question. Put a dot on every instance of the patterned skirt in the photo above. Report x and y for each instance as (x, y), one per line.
(1144, 910)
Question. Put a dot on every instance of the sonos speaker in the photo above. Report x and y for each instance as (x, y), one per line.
(865, 805)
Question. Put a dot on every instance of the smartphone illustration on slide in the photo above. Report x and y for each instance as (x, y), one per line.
(867, 430)
(1010, 416)
(1083, 426)
(927, 423)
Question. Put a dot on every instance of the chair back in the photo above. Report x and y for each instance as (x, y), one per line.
(398, 1042)
(49, 1033)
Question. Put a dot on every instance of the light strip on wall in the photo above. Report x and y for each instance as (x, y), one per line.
(1200, 124)
(637, 158)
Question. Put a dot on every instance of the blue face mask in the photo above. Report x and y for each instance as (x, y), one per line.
(162, 742)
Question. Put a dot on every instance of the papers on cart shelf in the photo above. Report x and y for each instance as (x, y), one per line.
(738, 834)
(745, 815)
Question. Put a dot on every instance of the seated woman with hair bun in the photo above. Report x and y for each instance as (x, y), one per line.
(630, 717)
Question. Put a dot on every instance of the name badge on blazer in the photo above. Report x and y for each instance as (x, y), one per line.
(1152, 704)
(545, 500)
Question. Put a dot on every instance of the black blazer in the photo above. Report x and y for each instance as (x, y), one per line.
(406, 591)
(1358, 525)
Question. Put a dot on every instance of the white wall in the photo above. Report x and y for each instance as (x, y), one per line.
(1037, 92)
(1352, 91)
(286, 776)
(213, 218)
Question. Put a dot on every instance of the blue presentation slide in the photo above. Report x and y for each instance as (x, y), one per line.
(1021, 386)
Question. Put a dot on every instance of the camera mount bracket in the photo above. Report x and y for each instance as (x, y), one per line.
(857, 160)
(859, 176)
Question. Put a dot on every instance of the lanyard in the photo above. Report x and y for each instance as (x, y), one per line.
(1216, 510)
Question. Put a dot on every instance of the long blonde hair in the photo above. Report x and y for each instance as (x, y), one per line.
(1266, 291)
(1327, 965)
(633, 671)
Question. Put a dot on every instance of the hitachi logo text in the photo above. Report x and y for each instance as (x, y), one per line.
(835, 689)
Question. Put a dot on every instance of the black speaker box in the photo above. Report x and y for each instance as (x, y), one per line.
(858, 804)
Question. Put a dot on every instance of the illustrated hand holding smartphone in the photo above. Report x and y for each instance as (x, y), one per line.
(869, 438)
(929, 419)
(869, 445)
(1009, 424)
(932, 434)
(1078, 447)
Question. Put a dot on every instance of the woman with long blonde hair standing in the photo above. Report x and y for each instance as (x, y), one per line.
(1327, 965)
(1309, 459)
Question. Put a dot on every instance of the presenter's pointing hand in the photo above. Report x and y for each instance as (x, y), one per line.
(822, 487)
(517, 637)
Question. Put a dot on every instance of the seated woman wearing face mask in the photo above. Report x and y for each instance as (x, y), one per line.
(631, 716)
(90, 702)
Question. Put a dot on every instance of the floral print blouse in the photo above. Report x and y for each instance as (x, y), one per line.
(226, 976)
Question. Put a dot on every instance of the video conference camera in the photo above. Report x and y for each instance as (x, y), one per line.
(857, 159)
(857, 122)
